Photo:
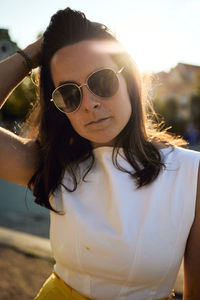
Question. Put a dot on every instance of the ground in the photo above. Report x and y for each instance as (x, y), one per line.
(22, 275)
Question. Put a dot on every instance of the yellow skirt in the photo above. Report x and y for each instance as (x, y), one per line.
(55, 288)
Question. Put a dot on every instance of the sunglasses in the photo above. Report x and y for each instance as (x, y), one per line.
(103, 83)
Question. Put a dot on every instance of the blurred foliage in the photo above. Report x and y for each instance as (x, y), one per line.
(168, 111)
(195, 110)
(19, 102)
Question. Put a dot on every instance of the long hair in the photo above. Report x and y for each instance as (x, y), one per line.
(61, 148)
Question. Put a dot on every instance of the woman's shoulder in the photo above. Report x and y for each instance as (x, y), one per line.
(180, 157)
(186, 153)
(177, 150)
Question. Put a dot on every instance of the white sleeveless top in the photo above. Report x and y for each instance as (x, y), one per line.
(119, 242)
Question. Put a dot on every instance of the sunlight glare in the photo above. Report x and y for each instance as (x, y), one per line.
(147, 45)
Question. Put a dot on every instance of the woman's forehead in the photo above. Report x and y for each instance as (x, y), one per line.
(87, 49)
(82, 58)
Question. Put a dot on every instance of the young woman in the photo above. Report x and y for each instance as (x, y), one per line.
(124, 199)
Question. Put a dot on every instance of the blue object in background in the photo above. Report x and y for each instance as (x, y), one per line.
(18, 210)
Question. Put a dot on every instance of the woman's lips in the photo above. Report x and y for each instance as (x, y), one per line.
(98, 121)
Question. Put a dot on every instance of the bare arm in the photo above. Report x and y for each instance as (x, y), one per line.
(18, 156)
(192, 256)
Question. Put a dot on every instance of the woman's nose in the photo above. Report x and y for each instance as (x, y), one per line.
(89, 100)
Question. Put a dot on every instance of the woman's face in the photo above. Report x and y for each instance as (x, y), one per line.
(99, 120)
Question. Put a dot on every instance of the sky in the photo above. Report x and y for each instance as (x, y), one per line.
(158, 34)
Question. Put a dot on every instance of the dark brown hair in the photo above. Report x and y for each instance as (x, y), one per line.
(61, 148)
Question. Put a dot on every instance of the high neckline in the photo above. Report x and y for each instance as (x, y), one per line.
(109, 148)
(101, 148)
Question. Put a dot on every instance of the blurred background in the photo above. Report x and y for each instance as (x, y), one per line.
(161, 36)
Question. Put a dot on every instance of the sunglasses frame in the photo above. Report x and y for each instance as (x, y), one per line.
(81, 86)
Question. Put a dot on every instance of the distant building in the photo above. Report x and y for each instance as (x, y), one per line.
(7, 47)
(180, 83)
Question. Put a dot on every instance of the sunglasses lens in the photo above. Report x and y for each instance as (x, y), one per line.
(67, 98)
(103, 83)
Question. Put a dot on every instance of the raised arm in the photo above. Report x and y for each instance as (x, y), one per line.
(192, 256)
(14, 69)
(18, 156)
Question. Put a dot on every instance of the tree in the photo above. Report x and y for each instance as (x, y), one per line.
(195, 110)
(168, 111)
(19, 102)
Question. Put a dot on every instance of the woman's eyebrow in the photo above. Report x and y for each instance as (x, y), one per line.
(62, 82)
(68, 81)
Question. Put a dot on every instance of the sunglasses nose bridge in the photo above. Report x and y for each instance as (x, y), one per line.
(88, 88)
(82, 85)
(89, 99)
